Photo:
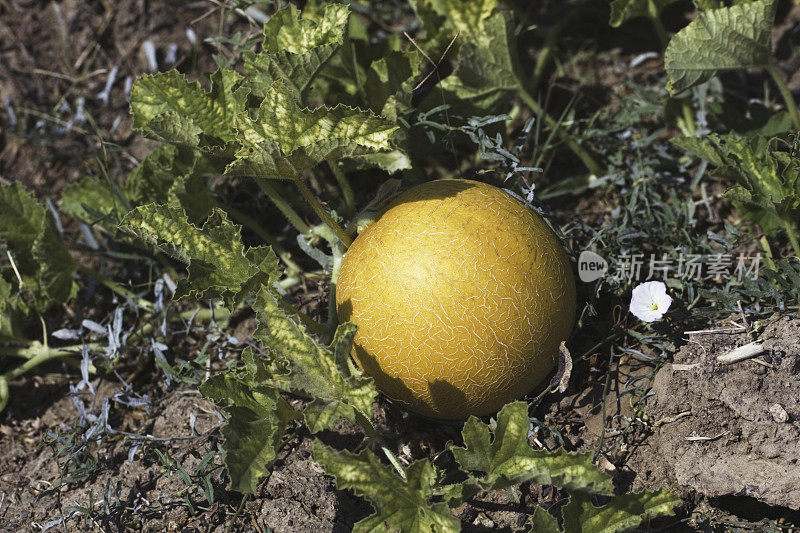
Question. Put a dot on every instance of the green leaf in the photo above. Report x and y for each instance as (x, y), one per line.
(543, 522)
(759, 167)
(151, 180)
(167, 107)
(286, 31)
(623, 10)
(622, 513)
(36, 246)
(508, 459)
(295, 49)
(467, 17)
(297, 72)
(281, 119)
(285, 139)
(92, 202)
(168, 175)
(390, 83)
(486, 70)
(702, 148)
(402, 505)
(739, 194)
(257, 418)
(190, 192)
(13, 311)
(768, 190)
(21, 217)
(325, 374)
(219, 265)
(174, 175)
(56, 265)
(173, 127)
(730, 38)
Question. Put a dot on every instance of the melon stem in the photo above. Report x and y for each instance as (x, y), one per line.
(788, 98)
(321, 212)
(284, 206)
(347, 189)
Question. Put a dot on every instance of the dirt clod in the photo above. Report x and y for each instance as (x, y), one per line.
(743, 434)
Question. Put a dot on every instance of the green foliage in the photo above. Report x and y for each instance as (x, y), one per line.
(508, 459)
(403, 504)
(776, 290)
(321, 90)
(729, 38)
(93, 202)
(168, 175)
(487, 67)
(278, 137)
(257, 419)
(287, 31)
(218, 263)
(168, 108)
(457, 16)
(13, 313)
(283, 139)
(295, 49)
(543, 522)
(41, 269)
(622, 513)
(324, 374)
(768, 178)
(623, 10)
(389, 83)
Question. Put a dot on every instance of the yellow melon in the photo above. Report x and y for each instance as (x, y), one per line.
(461, 295)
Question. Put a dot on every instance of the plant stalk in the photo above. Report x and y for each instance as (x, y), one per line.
(321, 212)
(37, 354)
(4, 394)
(576, 148)
(789, 228)
(553, 36)
(347, 189)
(765, 247)
(686, 106)
(688, 117)
(788, 99)
(284, 206)
(661, 31)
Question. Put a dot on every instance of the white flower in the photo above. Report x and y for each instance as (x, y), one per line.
(650, 301)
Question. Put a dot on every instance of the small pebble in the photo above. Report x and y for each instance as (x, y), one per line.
(483, 521)
(778, 413)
